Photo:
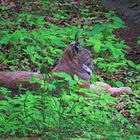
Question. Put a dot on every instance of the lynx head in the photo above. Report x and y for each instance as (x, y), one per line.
(76, 60)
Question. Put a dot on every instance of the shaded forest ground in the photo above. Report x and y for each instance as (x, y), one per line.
(33, 37)
(129, 11)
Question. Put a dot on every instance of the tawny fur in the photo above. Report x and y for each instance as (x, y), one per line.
(12, 80)
(114, 91)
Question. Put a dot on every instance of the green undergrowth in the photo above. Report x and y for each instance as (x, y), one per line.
(33, 36)
(67, 115)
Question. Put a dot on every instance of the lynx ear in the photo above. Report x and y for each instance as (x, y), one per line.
(76, 45)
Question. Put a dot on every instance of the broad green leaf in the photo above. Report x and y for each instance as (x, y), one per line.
(131, 63)
(76, 78)
(138, 67)
(119, 84)
(138, 42)
(96, 30)
(97, 48)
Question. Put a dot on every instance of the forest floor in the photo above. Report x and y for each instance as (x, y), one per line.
(130, 14)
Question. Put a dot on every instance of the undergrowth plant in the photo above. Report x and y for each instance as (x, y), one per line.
(66, 115)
